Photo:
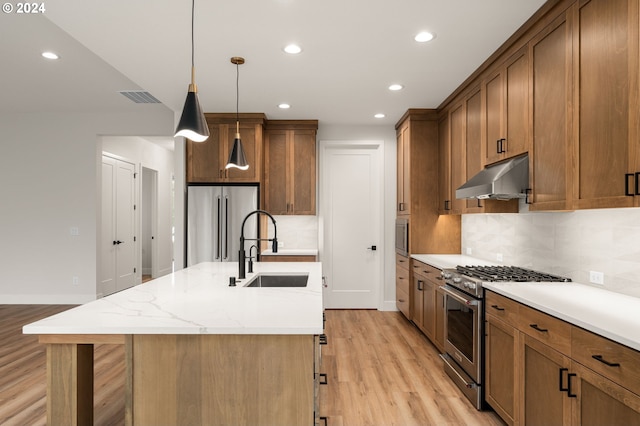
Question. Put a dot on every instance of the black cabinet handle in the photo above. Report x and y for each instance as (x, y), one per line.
(536, 327)
(497, 308)
(420, 285)
(323, 376)
(500, 146)
(528, 192)
(324, 419)
(627, 191)
(569, 393)
(563, 388)
(637, 185)
(446, 205)
(323, 339)
(604, 361)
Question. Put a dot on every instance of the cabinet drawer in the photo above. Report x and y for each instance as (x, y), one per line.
(545, 328)
(402, 301)
(616, 362)
(402, 279)
(402, 261)
(426, 271)
(502, 307)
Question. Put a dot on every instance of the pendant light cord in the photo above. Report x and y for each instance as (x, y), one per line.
(193, 61)
(237, 93)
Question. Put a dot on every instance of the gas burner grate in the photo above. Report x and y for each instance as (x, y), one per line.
(508, 273)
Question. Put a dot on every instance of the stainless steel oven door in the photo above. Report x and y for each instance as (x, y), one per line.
(463, 331)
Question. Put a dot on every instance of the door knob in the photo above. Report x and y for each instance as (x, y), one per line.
(372, 248)
(117, 242)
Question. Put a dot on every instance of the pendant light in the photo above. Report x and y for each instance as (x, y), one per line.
(192, 123)
(237, 158)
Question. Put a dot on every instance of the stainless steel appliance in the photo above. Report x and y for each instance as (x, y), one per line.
(402, 236)
(214, 218)
(464, 321)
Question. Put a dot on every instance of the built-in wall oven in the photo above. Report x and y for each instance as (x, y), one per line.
(464, 321)
(402, 236)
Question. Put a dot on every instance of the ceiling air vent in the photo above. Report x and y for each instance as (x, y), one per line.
(140, 96)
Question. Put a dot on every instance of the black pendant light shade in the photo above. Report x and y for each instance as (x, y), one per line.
(192, 123)
(237, 158)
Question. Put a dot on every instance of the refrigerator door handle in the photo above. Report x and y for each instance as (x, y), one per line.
(219, 225)
(226, 228)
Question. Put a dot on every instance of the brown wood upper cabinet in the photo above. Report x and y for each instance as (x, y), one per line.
(606, 61)
(206, 160)
(290, 167)
(506, 93)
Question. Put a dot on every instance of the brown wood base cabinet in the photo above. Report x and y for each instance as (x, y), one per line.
(221, 379)
(543, 371)
(425, 281)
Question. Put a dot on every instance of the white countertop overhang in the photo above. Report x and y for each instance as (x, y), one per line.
(198, 300)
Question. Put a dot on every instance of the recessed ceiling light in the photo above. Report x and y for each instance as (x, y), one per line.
(284, 106)
(293, 49)
(379, 115)
(396, 87)
(424, 37)
(49, 55)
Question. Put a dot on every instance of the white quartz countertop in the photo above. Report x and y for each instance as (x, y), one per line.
(613, 315)
(445, 261)
(198, 300)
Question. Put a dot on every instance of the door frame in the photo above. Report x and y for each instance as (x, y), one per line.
(324, 147)
(153, 207)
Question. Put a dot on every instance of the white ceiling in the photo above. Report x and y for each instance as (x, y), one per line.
(352, 51)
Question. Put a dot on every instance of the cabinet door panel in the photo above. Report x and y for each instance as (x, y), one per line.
(473, 142)
(517, 107)
(276, 172)
(550, 159)
(444, 206)
(500, 347)
(203, 158)
(543, 402)
(608, 90)
(458, 172)
(602, 402)
(493, 115)
(304, 172)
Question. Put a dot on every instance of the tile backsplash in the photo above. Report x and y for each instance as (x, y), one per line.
(297, 232)
(566, 243)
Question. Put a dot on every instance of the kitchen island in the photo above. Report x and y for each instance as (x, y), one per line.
(197, 350)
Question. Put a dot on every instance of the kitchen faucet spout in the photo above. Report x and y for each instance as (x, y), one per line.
(242, 255)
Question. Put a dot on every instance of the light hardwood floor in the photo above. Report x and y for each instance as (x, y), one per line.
(381, 371)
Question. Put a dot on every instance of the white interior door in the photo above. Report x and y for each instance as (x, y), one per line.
(351, 194)
(118, 256)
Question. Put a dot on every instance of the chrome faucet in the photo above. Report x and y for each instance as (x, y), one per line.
(242, 256)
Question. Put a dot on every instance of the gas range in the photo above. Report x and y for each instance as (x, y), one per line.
(469, 279)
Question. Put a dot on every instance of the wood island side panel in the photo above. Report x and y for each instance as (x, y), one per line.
(220, 379)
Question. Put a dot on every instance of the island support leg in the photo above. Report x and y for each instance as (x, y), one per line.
(69, 384)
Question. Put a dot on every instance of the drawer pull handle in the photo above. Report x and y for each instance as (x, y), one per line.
(569, 392)
(323, 379)
(535, 327)
(497, 308)
(322, 339)
(604, 361)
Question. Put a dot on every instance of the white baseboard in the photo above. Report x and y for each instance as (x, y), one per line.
(389, 305)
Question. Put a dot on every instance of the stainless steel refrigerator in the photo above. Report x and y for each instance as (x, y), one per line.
(214, 217)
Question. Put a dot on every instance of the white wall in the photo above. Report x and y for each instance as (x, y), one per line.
(152, 156)
(566, 243)
(48, 169)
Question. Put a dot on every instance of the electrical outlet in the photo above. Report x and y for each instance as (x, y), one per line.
(469, 251)
(75, 281)
(596, 277)
(74, 230)
(499, 257)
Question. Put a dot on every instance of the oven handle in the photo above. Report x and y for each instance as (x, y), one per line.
(457, 296)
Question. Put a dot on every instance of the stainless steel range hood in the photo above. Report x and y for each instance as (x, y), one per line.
(502, 181)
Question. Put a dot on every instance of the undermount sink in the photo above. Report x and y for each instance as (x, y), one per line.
(278, 280)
